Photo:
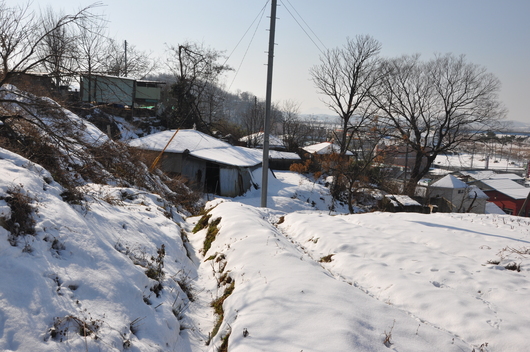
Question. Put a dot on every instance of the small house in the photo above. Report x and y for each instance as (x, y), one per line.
(124, 91)
(209, 164)
(459, 197)
(402, 203)
(256, 140)
(508, 195)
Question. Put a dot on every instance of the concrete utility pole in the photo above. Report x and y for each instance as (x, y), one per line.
(268, 98)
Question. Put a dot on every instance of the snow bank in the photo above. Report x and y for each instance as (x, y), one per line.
(78, 271)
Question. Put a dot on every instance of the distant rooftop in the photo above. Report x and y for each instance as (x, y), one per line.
(324, 148)
(510, 188)
(449, 181)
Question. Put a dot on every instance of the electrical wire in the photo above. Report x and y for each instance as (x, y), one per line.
(260, 17)
(303, 29)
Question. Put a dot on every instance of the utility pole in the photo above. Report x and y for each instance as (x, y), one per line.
(126, 68)
(268, 98)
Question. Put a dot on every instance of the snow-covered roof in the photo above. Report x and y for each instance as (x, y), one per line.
(490, 174)
(324, 148)
(403, 200)
(492, 208)
(273, 154)
(510, 188)
(475, 190)
(199, 145)
(449, 181)
(258, 139)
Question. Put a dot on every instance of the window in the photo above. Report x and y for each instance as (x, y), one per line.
(508, 211)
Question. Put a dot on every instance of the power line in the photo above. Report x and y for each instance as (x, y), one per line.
(303, 29)
(260, 17)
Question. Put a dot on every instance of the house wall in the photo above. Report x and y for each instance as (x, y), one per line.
(282, 164)
(507, 204)
(193, 169)
(446, 193)
(111, 90)
(232, 181)
(459, 198)
(479, 205)
(147, 93)
(120, 90)
(170, 162)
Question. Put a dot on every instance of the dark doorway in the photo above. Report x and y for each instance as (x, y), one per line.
(212, 178)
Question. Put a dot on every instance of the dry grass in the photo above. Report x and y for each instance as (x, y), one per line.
(327, 259)
(213, 230)
(217, 306)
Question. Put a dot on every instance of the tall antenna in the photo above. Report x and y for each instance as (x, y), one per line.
(268, 98)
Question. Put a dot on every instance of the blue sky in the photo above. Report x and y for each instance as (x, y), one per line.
(493, 34)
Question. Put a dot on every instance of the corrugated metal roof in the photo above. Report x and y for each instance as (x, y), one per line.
(490, 174)
(510, 188)
(199, 145)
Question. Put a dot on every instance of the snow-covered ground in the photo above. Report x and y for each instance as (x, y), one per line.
(478, 161)
(304, 278)
(307, 280)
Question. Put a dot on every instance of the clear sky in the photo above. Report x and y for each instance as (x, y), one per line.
(492, 33)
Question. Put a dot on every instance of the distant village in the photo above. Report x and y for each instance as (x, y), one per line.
(224, 164)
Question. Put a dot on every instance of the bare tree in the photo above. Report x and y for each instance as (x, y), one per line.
(435, 106)
(346, 76)
(58, 49)
(193, 98)
(294, 130)
(91, 40)
(133, 63)
(22, 36)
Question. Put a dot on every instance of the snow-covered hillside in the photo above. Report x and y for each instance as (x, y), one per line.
(80, 281)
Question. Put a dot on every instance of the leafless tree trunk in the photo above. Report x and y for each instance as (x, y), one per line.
(345, 76)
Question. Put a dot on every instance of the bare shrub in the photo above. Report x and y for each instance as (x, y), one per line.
(84, 327)
(301, 168)
(387, 341)
(26, 139)
(481, 348)
(20, 223)
(185, 196)
(134, 326)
